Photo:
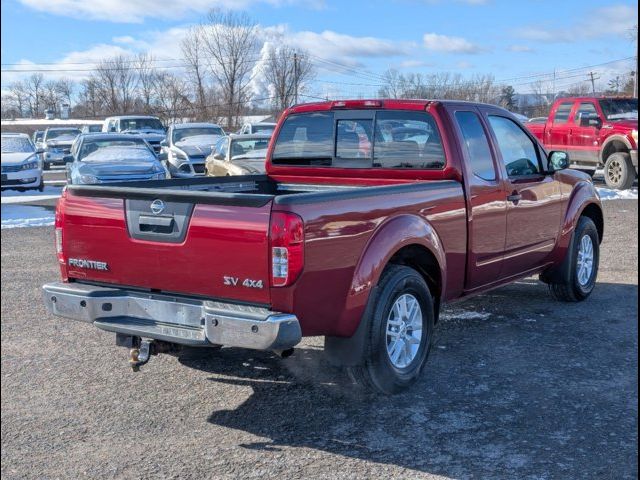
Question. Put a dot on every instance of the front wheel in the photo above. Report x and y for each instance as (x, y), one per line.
(583, 259)
(400, 332)
(619, 172)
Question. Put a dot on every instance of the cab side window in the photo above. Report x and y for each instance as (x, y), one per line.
(519, 153)
(476, 145)
(562, 113)
(585, 109)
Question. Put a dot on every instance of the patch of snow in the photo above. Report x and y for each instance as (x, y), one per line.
(609, 194)
(466, 315)
(14, 196)
(28, 222)
(20, 216)
(27, 198)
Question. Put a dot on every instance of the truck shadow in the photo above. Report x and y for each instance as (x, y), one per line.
(517, 385)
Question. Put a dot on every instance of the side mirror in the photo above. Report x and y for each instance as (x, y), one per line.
(557, 160)
(164, 143)
(218, 156)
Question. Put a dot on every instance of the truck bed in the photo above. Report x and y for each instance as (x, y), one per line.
(250, 190)
(206, 232)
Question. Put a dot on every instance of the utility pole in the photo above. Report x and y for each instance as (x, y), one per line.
(295, 76)
(593, 82)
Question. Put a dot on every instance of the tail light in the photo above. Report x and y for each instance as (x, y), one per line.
(287, 248)
(59, 233)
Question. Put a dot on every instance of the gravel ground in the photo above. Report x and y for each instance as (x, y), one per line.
(518, 386)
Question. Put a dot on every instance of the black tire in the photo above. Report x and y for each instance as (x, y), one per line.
(619, 172)
(569, 288)
(378, 373)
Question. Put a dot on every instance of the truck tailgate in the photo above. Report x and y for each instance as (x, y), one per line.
(205, 249)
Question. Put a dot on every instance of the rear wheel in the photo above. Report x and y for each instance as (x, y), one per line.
(400, 332)
(582, 268)
(619, 172)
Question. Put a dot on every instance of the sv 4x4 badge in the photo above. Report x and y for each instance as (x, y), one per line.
(247, 282)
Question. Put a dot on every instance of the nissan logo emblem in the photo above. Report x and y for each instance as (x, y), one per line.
(157, 206)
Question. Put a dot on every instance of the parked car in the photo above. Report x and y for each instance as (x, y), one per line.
(37, 139)
(360, 246)
(597, 132)
(238, 155)
(187, 146)
(148, 127)
(57, 145)
(93, 128)
(537, 120)
(108, 157)
(21, 168)
(265, 128)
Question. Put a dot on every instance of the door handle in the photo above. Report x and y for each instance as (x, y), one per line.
(514, 198)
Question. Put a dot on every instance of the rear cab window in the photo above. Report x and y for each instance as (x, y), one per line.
(394, 139)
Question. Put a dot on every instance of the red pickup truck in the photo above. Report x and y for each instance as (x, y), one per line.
(372, 214)
(597, 132)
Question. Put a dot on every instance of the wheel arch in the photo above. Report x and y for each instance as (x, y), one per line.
(614, 144)
(402, 240)
(594, 212)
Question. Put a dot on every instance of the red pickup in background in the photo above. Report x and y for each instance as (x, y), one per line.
(597, 132)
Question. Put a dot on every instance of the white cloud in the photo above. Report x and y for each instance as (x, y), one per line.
(327, 48)
(135, 11)
(76, 65)
(445, 44)
(336, 46)
(614, 20)
(414, 64)
(125, 39)
(520, 48)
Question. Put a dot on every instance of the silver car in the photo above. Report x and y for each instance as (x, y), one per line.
(264, 128)
(21, 168)
(57, 145)
(187, 147)
(110, 157)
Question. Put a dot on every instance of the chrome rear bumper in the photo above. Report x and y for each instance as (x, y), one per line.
(173, 318)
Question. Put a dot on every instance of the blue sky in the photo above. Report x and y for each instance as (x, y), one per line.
(504, 38)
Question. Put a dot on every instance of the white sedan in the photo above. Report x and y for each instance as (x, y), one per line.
(21, 167)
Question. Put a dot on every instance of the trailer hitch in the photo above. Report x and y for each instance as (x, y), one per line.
(139, 355)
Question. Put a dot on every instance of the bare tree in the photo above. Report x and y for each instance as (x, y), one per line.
(579, 89)
(192, 47)
(393, 84)
(18, 97)
(287, 70)
(231, 44)
(65, 88)
(34, 89)
(147, 78)
(116, 83)
(172, 97)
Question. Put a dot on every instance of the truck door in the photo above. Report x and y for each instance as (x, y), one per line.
(534, 200)
(558, 129)
(486, 200)
(583, 139)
